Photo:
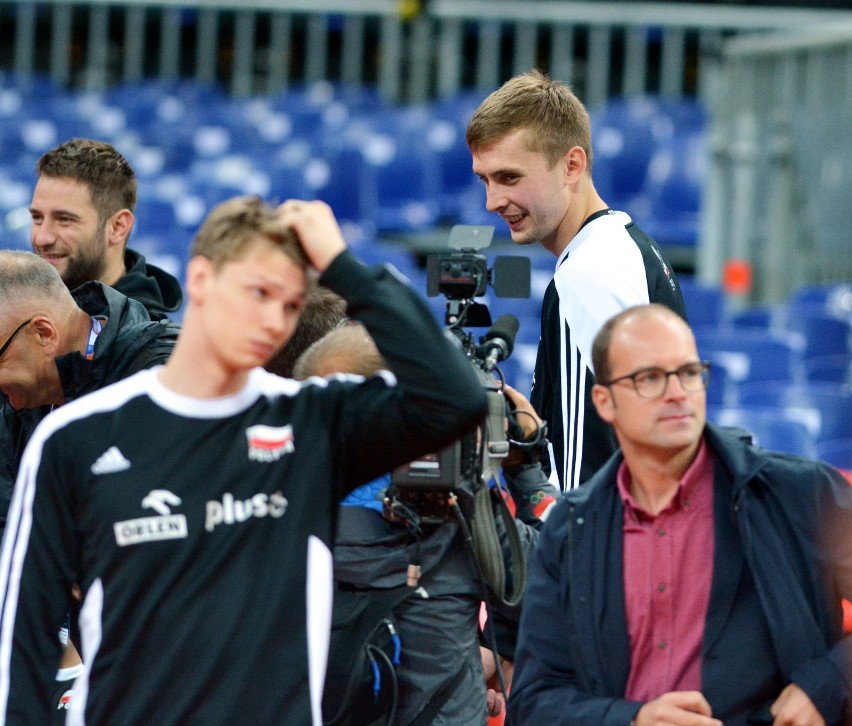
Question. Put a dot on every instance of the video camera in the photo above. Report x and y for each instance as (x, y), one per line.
(431, 484)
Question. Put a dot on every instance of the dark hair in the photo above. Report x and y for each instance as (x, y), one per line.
(603, 339)
(110, 179)
(322, 311)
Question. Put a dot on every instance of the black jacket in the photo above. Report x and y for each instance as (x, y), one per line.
(781, 564)
(129, 342)
(156, 289)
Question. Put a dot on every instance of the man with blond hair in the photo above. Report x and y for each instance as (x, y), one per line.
(193, 503)
(531, 142)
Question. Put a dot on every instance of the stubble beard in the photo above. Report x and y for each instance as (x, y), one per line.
(87, 264)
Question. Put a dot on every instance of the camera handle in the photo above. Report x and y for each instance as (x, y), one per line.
(488, 498)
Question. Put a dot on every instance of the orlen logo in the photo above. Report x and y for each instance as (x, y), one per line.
(269, 443)
(65, 702)
(153, 529)
(233, 511)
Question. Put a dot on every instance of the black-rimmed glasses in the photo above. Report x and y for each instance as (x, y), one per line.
(12, 336)
(652, 382)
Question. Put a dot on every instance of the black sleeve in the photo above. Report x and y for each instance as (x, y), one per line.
(435, 397)
(37, 567)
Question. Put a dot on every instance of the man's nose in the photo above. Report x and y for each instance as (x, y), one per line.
(494, 199)
(42, 235)
(674, 388)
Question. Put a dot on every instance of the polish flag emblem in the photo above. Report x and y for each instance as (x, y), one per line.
(269, 443)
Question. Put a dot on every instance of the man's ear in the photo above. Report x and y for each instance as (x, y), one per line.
(576, 161)
(47, 335)
(199, 272)
(604, 402)
(118, 228)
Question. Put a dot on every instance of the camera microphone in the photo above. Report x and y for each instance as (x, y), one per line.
(498, 342)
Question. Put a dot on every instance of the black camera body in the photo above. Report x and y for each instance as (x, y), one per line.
(433, 484)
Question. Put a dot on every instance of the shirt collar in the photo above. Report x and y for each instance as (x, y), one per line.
(686, 491)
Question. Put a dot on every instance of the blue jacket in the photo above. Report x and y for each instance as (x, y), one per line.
(782, 562)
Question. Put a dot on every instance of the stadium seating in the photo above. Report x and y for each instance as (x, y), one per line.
(673, 187)
(826, 406)
(771, 428)
(837, 452)
(831, 368)
(750, 356)
(705, 304)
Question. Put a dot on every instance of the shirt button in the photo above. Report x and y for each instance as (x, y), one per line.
(662, 587)
(661, 645)
(661, 531)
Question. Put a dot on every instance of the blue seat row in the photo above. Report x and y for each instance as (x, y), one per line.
(384, 168)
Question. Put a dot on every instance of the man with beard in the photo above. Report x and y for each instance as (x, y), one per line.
(82, 213)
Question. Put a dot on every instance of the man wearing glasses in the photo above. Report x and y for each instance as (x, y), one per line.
(696, 579)
(59, 346)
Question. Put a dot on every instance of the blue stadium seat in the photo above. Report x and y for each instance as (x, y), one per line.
(833, 298)
(823, 334)
(755, 316)
(720, 391)
(829, 404)
(705, 304)
(830, 368)
(407, 184)
(673, 187)
(751, 355)
(837, 452)
(625, 133)
(771, 428)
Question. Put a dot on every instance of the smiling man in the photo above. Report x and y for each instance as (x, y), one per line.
(193, 503)
(696, 579)
(82, 216)
(532, 147)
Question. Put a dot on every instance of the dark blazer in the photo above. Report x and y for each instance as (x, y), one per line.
(774, 614)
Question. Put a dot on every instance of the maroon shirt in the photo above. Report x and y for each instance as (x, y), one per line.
(668, 569)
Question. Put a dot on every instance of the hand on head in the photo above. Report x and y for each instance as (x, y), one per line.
(316, 227)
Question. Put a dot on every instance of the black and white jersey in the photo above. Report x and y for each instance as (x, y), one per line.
(609, 266)
(199, 529)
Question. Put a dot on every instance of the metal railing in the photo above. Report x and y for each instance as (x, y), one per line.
(778, 189)
(262, 46)
(780, 182)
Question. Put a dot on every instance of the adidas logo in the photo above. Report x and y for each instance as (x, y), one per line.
(111, 461)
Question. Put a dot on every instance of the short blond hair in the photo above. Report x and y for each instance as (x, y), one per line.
(556, 119)
(232, 227)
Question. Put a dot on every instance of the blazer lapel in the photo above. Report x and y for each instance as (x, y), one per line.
(728, 559)
(608, 606)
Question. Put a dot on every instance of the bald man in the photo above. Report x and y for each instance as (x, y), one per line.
(58, 346)
(697, 579)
